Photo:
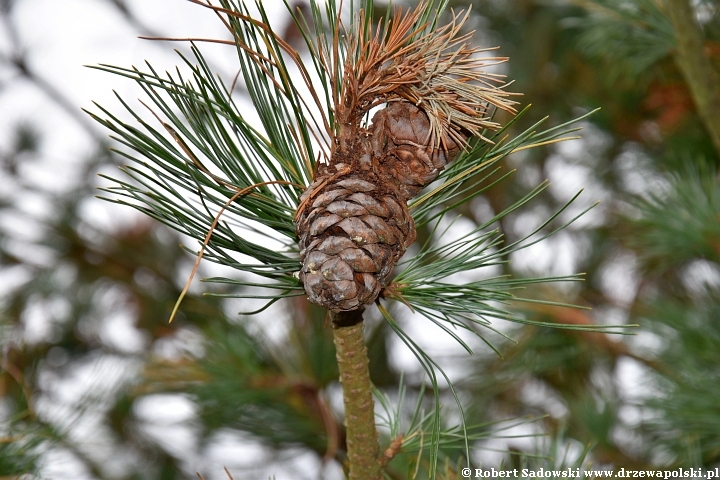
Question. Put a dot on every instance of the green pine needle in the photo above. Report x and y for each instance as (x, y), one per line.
(200, 167)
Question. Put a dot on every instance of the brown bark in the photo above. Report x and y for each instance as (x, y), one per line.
(702, 79)
(363, 448)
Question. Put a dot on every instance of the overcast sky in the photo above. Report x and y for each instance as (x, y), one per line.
(59, 37)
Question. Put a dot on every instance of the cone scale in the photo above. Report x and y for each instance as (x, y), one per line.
(353, 221)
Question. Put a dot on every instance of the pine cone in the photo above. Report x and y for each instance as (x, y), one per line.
(353, 221)
(402, 132)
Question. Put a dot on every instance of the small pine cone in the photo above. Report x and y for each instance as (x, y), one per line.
(401, 135)
(355, 225)
(351, 236)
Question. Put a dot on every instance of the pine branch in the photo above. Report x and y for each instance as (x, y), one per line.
(701, 77)
(353, 222)
(630, 37)
(362, 437)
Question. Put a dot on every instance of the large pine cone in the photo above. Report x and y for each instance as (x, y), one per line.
(353, 221)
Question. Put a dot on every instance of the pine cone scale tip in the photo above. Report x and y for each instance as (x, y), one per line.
(357, 225)
(436, 95)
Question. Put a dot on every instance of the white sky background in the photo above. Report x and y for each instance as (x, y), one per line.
(60, 36)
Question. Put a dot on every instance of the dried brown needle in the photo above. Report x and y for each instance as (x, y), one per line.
(439, 71)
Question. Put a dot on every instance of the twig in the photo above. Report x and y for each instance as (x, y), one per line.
(702, 79)
(392, 450)
(362, 437)
(239, 192)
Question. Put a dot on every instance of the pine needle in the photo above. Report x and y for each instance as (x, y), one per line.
(437, 70)
(209, 234)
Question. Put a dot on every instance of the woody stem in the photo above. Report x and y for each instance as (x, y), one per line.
(700, 74)
(362, 438)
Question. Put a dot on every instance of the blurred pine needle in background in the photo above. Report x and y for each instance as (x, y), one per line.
(323, 194)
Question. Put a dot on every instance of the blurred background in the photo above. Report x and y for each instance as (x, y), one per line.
(95, 384)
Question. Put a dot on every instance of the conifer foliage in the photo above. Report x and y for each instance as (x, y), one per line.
(650, 252)
(335, 187)
(353, 221)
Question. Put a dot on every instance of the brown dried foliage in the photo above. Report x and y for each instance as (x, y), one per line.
(353, 221)
(439, 71)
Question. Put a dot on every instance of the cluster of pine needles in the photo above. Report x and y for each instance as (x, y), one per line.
(234, 185)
